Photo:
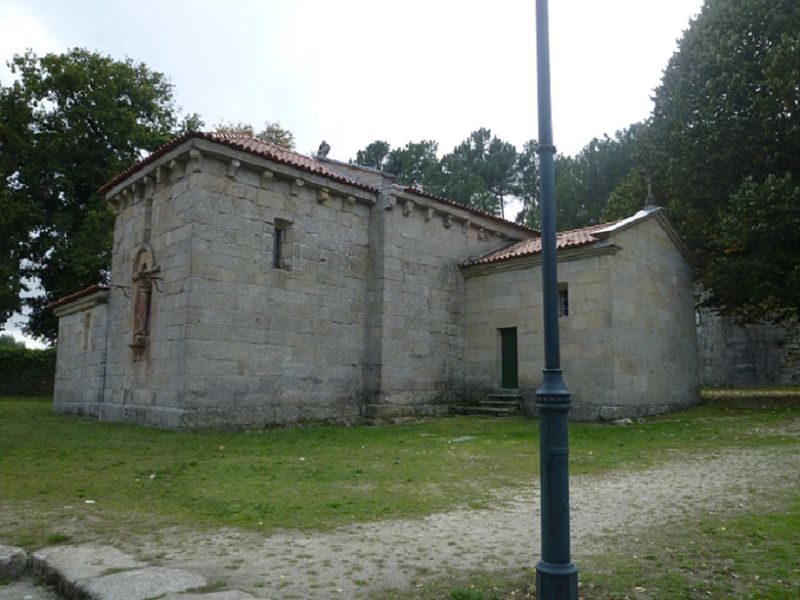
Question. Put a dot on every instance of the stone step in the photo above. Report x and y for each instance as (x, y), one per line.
(488, 411)
(501, 402)
(506, 394)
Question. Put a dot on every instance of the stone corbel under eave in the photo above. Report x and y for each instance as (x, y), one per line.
(294, 188)
(195, 164)
(233, 166)
(266, 179)
(388, 200)
(348, 202)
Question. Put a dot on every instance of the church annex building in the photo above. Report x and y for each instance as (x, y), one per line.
(254, 286)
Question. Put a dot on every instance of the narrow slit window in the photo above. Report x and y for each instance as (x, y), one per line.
(279, 258)
(87, 331)
(563, 300)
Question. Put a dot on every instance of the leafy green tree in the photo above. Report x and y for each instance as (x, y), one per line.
(68, 124)
(374, 155)
(630, 195)
(755, 268)
(416, 165)
(585, 182)
(526, 185)
(272, 132)
(480, 171)
(499, 171)
(726, 142)
(15, 222)
(6, 339)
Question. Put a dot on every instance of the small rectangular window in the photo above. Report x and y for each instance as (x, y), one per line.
(563, 300)
(279, 258)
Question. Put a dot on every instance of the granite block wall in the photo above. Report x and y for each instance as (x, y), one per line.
(511, 296)
(627, 344)
(763, 354)
(655, 346)
(81, 359)
(416, 302)
(270, 343)
(153, 215)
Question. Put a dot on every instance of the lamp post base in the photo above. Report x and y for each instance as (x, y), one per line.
(556, 582)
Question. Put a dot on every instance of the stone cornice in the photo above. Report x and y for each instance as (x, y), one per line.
(451, 214)
(188, 158)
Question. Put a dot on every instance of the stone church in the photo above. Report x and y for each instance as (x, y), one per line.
(254, 286)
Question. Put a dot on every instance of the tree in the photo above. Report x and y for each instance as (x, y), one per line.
(726, 140)
(628, 197)
(480, 171)
(755, 269)
(585, 182)
(499, 171)
(68, 124)
(526, 185)
(374, 155)
(272, 132)
(416, 165)
(6, 339)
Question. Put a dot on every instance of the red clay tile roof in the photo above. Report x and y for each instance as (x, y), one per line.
(564, 239)
(97, 287)
(243, 143)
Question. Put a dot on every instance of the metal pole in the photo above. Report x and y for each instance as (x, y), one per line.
(556, 576)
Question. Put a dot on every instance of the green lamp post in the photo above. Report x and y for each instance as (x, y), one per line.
(556, 576)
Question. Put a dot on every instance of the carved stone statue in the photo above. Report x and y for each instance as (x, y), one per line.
(143, 293)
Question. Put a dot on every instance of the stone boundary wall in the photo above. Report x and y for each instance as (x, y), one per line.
(761, 354)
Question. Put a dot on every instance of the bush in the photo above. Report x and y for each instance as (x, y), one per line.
(26, 372)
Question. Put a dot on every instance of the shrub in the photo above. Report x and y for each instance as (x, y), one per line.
(26, 372)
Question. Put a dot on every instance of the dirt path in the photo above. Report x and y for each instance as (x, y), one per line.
(354, 561)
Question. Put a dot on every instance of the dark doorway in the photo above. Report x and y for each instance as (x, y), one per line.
(508, 358)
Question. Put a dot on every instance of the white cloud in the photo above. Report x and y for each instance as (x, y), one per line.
(20, 30)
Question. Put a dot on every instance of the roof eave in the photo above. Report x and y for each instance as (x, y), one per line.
(84, 299)
(522, 261)
(476, 211)
(115, 183)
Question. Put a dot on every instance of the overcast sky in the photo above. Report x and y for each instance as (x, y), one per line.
(353, 71)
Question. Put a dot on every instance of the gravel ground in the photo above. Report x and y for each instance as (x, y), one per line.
(26, 590)
(608, 511)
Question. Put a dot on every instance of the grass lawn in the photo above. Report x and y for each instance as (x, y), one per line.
(124, 478)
